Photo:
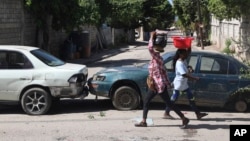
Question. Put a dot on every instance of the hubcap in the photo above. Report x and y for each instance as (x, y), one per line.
(35, 102)
(240, 106)
(125, 99)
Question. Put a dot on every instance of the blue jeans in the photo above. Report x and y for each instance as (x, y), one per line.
(190, 97)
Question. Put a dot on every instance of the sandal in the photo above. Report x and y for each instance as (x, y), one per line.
(167, 116)
(201, 115)
(141, 124)
(185, 122)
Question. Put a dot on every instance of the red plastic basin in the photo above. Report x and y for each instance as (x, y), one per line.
(182, 42)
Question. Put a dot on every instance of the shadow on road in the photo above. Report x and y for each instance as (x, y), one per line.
(67, 106)
(198, 126)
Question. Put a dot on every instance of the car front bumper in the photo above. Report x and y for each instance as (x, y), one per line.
(72, 91)
(94, 89)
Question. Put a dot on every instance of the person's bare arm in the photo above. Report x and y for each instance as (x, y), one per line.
(152, 35)
(161, 31)
(190, 77)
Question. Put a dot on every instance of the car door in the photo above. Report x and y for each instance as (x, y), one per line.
(218, 79)
(15, 74)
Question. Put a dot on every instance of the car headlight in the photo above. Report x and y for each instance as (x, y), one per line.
(98, 78)
(85, 71)
(77, 78)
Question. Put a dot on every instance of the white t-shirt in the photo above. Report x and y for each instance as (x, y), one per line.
(180, 82)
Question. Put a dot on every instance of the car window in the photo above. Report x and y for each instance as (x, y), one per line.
(169, 65)
(212, 65)
(192, 61)
(3, 61)
(47, 58)
(14, 60)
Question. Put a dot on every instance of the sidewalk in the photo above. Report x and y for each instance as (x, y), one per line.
(213, 48)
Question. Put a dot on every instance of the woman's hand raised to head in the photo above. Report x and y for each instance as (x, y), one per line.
(152, 35)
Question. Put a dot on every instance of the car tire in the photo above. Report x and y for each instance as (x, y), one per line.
(240, 106)
(36, 101)
(125, 98)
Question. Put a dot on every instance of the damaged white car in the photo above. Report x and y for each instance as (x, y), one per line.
(34, 78)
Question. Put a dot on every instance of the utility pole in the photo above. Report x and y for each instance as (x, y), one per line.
(199, 24)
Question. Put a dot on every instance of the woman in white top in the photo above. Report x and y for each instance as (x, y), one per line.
(181, 82)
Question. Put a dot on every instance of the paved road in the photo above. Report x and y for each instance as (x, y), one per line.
(95, 121)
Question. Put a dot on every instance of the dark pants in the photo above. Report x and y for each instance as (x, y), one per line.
(190, 97)
(164, 95)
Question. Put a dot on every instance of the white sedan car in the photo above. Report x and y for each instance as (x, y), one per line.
(34, 78)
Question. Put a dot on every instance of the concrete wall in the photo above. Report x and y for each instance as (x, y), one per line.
(221, 31)
(16, 27)
(237, 30)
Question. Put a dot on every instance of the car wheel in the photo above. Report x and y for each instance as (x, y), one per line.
(125, 98)
(240, 106)
(36, 101)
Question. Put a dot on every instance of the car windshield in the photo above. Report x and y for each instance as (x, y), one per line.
(47, 58)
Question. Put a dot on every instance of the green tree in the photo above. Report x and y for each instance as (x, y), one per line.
(186, 12)
(228, 9)
(130, 14)
(237, 8)
(157, 14)
(188, 16)
(104, 9)
(125, 14)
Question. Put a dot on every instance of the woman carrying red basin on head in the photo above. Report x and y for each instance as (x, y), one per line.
(183, 73)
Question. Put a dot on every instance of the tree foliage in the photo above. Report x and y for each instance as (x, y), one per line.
(130, 14)
(228, 9)
(187, 12)
(157, 14)
(220, 10)
(237, 8)
(125, 13)
(90, 14)
(104, 9)
(65, 14)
